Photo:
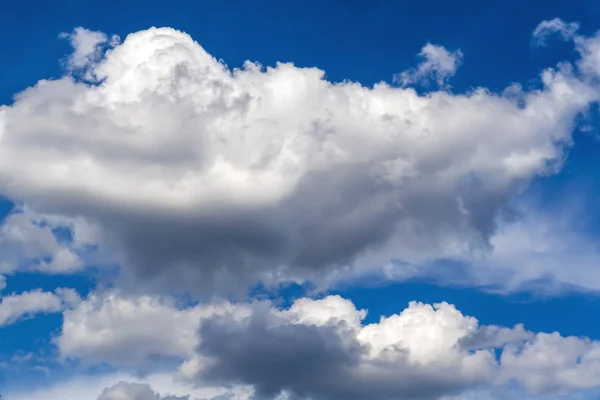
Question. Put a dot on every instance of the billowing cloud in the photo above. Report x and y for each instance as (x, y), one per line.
(50, 244)
(322, 349)
(201, 178)
(552, 363)
(318, 356)
(424, 352)
(133, 331)
(15, 307)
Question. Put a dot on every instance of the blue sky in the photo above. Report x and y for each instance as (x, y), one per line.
(141, 174)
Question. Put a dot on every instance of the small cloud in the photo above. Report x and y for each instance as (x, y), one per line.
(87, 46)
(546, 28)
(438, 64)
(16, 307)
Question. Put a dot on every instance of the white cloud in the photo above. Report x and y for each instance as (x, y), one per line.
(132, 331)
(587, 47)
(27, 243)
(425, 351)
(201, 178)
(552, 363)
(542, 247)
(425, 333)
(87, 46)
(414, 354)
(15, 307)
(438, 64)
(566, 30)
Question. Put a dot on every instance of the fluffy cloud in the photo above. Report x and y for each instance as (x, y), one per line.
(587, 47)
(202, 178)
(424, 352)
(28, 242)
(410, 355)
(133, 331)
(438, 64)
(552, 363)
(18, 306)
(321, 349)
(88, 47)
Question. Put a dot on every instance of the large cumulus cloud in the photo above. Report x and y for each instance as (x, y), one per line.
(323, 349)
(424, 352)
(202, 178)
